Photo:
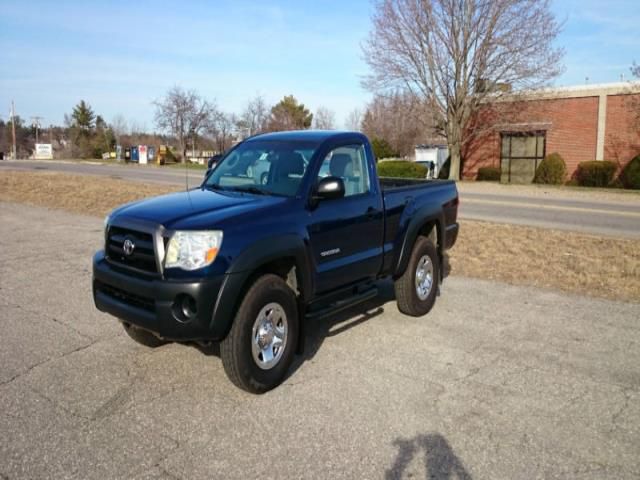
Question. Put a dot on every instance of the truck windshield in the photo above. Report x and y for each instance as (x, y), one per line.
(263, 167)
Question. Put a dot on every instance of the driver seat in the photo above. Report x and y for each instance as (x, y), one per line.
(288, 163)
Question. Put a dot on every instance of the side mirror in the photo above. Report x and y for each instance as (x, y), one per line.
(329, 188)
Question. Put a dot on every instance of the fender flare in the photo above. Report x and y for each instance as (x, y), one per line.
(246, 264)
(419, 219)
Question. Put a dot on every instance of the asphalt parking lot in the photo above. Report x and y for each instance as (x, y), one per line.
(497, 382)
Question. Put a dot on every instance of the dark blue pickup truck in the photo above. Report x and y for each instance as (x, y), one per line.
(287, 228)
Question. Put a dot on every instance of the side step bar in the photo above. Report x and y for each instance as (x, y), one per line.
(340, 305)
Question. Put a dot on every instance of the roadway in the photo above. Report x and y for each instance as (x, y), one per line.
(585, 214)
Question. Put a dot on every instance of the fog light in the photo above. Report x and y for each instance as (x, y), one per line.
(184, 308)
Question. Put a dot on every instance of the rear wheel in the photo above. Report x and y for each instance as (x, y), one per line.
(143, 337)
(416, 289)
(259, 348)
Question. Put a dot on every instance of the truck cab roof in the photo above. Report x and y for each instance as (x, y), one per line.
(318, 136)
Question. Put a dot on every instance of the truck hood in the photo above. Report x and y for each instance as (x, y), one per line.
(171, 209)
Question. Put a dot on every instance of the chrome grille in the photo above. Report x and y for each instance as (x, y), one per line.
(142, 257)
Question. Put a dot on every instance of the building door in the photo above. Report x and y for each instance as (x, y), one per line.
(520, 156)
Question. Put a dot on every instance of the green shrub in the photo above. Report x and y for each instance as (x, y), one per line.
(401, 169)
(382, 149)
(595, 173)
(552, 170)
(630, 175)
(488, 174)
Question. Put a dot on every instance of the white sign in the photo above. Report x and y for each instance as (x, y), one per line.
(44, 151)
(142, 154)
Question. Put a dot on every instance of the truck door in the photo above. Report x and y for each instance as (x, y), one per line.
(347, 233)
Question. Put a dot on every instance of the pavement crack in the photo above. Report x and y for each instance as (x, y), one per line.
(113, 404)
(60, 406)
(54, 319)
(32, 367)
(26, 372)
(64, 324)
(627, 399)
(166, 472)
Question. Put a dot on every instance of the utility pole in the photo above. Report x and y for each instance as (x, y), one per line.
(36, 123)
(13, 130)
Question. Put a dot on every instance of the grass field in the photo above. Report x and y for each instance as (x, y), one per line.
(594, 266)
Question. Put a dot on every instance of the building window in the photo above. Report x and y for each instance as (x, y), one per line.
(520, 155)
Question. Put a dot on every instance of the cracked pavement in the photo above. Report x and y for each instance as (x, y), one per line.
(497, 382)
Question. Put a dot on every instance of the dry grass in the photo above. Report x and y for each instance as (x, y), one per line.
(91, 195)
(594, 266)
(574, 262)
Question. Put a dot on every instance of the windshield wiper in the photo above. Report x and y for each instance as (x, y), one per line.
(250, 189)
(213, 186)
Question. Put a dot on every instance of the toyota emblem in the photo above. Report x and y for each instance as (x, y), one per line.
(128, 246)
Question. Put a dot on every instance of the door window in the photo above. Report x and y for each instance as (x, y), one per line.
(350, 164)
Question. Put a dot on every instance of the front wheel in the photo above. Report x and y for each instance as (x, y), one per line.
(417, 287)
(259, 348)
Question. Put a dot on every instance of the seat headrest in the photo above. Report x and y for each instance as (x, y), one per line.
(341, 165)
(290, 163)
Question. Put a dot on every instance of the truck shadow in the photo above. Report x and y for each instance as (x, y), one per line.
(317, 331)
(440, 463)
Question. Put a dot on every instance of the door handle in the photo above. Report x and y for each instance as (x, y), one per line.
(371, 213)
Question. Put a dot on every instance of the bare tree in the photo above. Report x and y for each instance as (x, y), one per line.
(254, 118)
(635, 100)
(182, 113)
(324, 119)
(119, 126)
(221, 128)
(354, 120)
(457, 54)
(402, 119)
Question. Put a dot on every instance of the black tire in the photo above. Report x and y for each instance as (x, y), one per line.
(236, 348)
(407, 297)
(143, 337)
(264, 178)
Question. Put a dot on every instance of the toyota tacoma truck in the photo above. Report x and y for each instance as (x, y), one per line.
(287, 228)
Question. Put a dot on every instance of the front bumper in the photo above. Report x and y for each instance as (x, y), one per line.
(153, 303)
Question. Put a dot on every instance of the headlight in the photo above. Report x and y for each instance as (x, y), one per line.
(106, 221)
(191, 250)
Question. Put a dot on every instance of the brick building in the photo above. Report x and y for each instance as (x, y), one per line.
(582, 123)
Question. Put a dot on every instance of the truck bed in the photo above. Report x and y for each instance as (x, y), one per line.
(403, 197)
(389, 183)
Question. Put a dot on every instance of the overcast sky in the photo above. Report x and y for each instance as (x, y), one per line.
(119, 56)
